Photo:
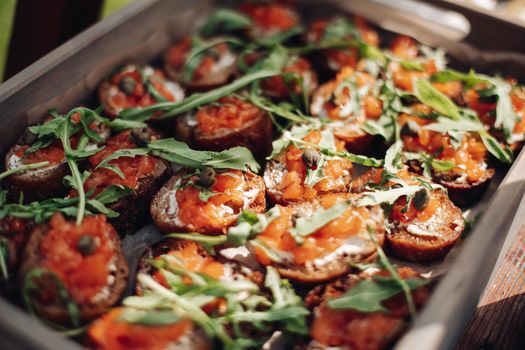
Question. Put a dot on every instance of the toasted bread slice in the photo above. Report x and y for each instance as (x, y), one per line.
(429, 239)
(351, 329)
(126, 88)
(54, 309)
(254, 133)
(220, 61)
(133, 209)
(357, 247)
(462, 192)
(211, 215)
(35, 184)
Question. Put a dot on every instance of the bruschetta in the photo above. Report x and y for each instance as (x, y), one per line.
(43, 182)
(228, 123)
(293, 243)
(349, 328)
(134, 86)
(269, 19)
(350, 100)
(208, 201)
(289, 175)
(216, 67)
(144, 174)
(423, 227)
(470, 175)
(189, 256)
(81, 265)
(113, 332)
(338, 28)
(298, 79)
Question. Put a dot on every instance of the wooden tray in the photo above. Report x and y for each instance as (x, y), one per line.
(140, 32)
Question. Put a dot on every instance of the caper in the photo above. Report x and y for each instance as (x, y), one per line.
(28, 138)
(410, 128)
(206, 177)
(311, 157)
(127, 85)
(421, 199)
(140, 136)
(86, 245)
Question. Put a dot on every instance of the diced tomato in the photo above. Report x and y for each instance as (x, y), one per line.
(220, 209)
(469, 157)
(231, 113)
(133, 168)
(111, 333)
(270, 16)
(293, 186)
(324, 241)
(83, 276)
(54, 154)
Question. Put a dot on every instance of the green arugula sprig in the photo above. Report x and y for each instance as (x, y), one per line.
(369, 294)
(225, 20)
(506, 116)
(22, 168)
(173, 109)
(43, 210)
(161, 305)
(239, 158)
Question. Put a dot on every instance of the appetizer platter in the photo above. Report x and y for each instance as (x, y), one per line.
(272, 176)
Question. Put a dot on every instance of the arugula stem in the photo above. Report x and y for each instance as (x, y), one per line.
(79, 184)
(3, 258)
(197, 100)
(402, 283)
(23, 168)
(193, 311)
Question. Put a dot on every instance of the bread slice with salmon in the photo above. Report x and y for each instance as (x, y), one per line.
(114, 331)
(73, 273)
(345, 328)
(293, 243)
(228, 123)
(206, 201)
(143, 174)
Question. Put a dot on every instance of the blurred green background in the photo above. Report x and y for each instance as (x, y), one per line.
(8, 9)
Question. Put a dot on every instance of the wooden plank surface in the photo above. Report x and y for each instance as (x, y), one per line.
(499, 322)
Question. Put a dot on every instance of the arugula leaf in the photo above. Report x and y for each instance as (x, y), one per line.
(470, 123)
(226, 20)
(391, 195)
(429, 95)
(506, 117)
(239, 158)
(131, 153)
(173, 109)
(280, 37)
(393, 157)
(113, 193)
(305, 226)
(368, 295)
